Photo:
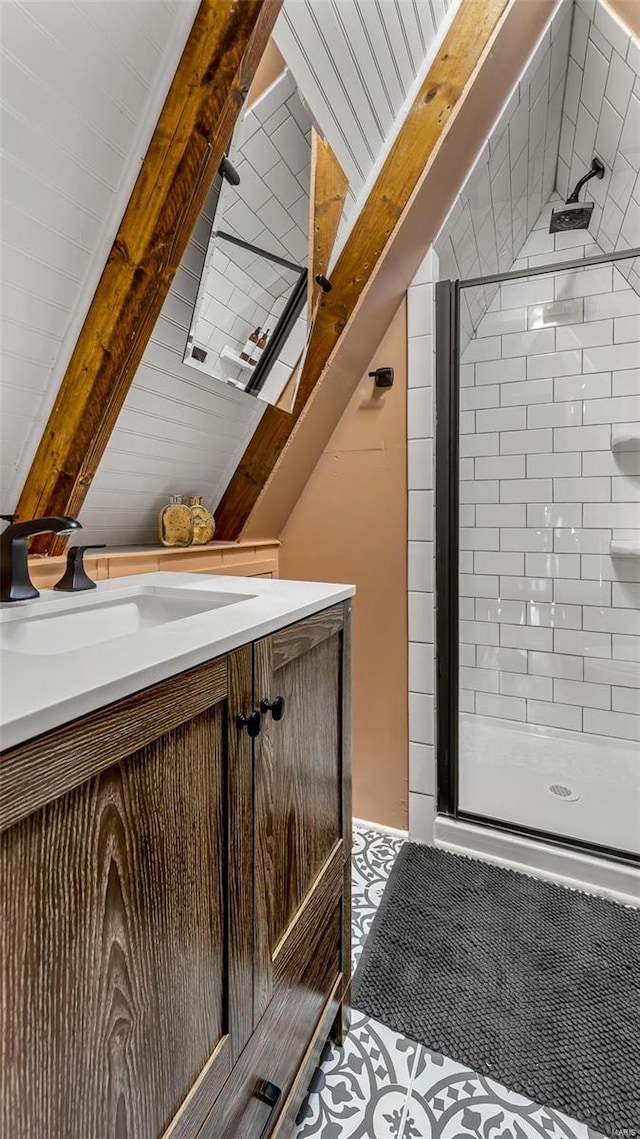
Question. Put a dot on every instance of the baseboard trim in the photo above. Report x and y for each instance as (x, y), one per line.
(365, 825)
(613, 880)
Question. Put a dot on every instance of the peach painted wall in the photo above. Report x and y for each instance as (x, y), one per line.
(350, 524)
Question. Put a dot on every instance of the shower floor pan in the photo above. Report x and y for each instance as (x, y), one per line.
(566, 783)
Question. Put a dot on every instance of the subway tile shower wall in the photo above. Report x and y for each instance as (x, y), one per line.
(511, 179)
(550, 476)
(578, 95)
(549, 388)
(421, 599)
(601, 115)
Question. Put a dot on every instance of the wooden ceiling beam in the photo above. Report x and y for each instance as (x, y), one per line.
(329, 185)
(210, 85)
(328, 190)
(418, 140)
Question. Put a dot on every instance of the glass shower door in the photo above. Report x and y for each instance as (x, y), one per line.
(549, 554)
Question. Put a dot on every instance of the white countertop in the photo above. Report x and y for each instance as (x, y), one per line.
(40, 692)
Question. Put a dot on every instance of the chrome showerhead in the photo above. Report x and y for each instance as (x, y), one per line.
(574, 214)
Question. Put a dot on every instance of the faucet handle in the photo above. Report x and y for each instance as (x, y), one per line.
(74, 578)
(78, 551)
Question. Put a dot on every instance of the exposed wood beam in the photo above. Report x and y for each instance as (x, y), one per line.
(208, 90)
(420, 135)
(328, 190)
(329, 185)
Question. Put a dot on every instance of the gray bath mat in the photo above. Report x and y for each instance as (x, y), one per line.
(532, 984)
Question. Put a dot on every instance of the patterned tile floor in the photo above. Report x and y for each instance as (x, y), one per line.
(380, 1085)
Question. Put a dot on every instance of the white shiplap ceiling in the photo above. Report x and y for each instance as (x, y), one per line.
(358, 64)
(81, 86)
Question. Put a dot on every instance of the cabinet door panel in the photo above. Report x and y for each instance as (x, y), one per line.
(114, 900)
(300, 769)
(281, 1042)
(301, 797)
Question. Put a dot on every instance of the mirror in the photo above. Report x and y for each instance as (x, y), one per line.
(250, 323)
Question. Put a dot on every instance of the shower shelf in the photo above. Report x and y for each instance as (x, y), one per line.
(233, 358)
(621, 549)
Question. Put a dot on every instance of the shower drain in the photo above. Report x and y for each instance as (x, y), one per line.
(561, 791)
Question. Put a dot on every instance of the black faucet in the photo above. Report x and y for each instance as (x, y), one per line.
(15, 583)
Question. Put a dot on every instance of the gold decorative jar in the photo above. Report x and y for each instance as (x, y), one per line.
(203, 523)
(175, 523)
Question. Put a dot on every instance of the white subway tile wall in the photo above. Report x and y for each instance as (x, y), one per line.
(601, 115)
(511, 180)
(548, 599)
(546, 474)
(421, 597)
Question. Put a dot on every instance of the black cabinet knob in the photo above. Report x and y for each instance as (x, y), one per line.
(276, 707)
(252, 722)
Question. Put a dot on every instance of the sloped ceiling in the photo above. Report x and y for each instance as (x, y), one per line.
(82, 86)
(358, 63)
(179, 431)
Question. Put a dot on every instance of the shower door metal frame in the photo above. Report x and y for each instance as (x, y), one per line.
(447, 507)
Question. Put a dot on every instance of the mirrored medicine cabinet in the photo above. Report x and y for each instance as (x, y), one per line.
(254, 308)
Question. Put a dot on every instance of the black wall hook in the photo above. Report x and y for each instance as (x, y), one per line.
(383, 377)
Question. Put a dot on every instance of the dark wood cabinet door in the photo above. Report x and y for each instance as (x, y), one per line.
(302, 795)
(124, 1001)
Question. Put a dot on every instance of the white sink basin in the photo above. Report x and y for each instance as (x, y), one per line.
(63, 625)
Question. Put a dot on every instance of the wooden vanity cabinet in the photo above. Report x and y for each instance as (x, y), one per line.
(125, 901)
(174, 923)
